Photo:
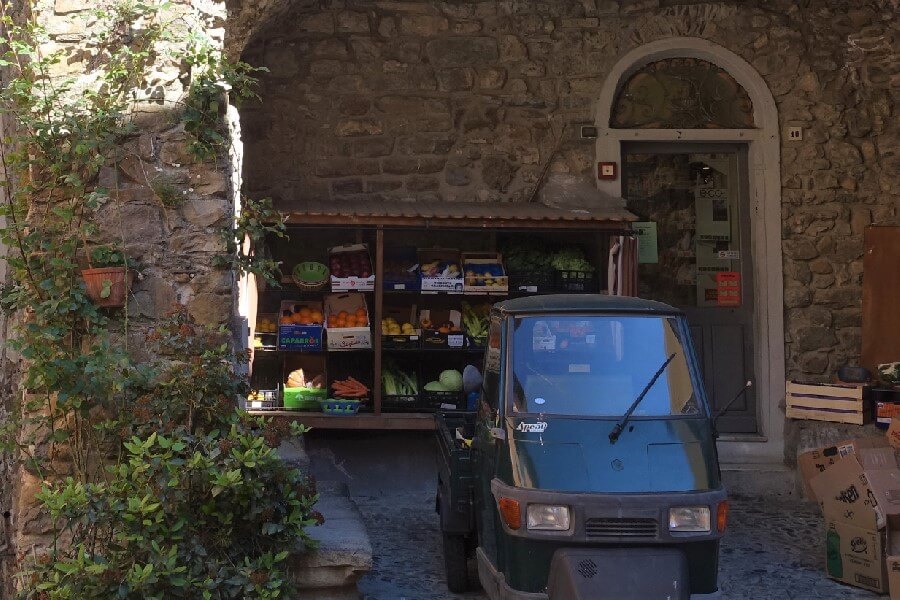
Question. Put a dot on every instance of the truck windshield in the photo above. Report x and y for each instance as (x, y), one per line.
(597, 365)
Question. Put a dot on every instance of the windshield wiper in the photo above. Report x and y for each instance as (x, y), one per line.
(620, 426)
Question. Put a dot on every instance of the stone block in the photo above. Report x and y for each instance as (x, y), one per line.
(205, 211)
(358, 127)
(153, 297)
(403, 165)
(344, 167)
(421, 183)
(372, 147)
(423, 25)
(365, 48)
(64, 7)
(282, 61)
(328, 47)
(461, 51)
(353, 22)
(512, 49)
(497, 172)
(320, 22)
(456, 80)
(347, 186)
(354, 106)
(491, 78)
(210, 309)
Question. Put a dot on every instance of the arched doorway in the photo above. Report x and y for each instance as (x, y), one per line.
(695, 131)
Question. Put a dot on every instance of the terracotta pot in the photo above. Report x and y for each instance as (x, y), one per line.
(108, 286)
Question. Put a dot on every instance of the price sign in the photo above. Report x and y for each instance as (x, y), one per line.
(728, 288)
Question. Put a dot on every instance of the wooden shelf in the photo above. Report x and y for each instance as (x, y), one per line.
(397, 421)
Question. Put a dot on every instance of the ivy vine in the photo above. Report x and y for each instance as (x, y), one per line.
(154, 484)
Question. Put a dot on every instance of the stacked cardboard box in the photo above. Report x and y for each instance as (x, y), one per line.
(857, 484)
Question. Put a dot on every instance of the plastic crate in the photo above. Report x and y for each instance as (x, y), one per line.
(585, 282)
(303, 398)
(443, 400)
(390, 403)
(340, 406)
(265, 400)
(538, 282)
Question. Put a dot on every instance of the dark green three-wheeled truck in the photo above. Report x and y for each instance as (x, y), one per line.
(589, 468)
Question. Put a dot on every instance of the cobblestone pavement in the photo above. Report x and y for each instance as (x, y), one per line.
(773, 550)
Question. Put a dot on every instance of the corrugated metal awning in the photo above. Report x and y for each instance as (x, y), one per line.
(417, 213)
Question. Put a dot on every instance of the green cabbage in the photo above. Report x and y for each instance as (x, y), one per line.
(452, 380)
(436, 386)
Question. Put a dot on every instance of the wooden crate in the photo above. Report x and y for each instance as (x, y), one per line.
(839, 403)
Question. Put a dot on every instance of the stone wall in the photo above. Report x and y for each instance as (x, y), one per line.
(468, 100)
(165, 207)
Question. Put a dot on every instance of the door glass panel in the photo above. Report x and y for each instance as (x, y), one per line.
(695, 255)
(692, 199)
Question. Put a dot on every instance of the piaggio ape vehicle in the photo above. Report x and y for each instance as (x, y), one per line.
(589, 469)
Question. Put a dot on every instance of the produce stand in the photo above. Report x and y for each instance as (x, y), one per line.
(395, 233)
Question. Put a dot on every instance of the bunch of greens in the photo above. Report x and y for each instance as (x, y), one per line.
(570, 258)
(476, 319)
(397, 382)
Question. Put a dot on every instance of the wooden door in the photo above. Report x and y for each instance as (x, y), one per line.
(695, 197)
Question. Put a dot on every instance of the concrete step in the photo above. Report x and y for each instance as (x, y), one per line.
(752, 480)
(344, 554)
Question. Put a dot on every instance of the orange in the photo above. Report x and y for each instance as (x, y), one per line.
(361, 312)
(316, 316)
(362, 322)
(286, 320)
(351, 321)
(332, 322)
(343, 314)
(305, 312)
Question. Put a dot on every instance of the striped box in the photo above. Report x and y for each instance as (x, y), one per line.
(839, 403)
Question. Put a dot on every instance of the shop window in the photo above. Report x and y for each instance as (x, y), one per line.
(682, 93)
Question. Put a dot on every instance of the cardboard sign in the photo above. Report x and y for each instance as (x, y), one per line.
(728, 288)
(893, 432)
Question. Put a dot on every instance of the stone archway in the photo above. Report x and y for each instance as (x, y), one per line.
(763, 144)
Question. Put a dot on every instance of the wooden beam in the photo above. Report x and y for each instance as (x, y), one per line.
(398, 421)
(379, 311)
(294, 219)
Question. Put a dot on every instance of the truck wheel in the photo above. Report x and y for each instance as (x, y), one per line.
(455, 563)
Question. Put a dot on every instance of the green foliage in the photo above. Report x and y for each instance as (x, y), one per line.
(156, 486)
(212, 77)
(245, 240)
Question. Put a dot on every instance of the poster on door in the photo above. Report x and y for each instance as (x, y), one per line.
(728, 288)
(713, 214)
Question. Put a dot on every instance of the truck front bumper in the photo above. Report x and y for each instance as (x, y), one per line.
(494, 583)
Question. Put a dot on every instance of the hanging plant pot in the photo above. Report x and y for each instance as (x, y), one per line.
(108, 286)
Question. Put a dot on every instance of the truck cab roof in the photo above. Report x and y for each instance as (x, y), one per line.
(583, 303)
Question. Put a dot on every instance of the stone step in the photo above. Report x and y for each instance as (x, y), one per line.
(344, 554)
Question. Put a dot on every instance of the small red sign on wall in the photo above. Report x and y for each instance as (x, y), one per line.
(728, 288)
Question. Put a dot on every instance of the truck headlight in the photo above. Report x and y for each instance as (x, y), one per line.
(689, 519)
(548, 517)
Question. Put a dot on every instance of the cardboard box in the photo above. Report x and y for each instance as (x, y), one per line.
(351, 283)
(838, 403)
(817, 461)
(346, 338)
(892, 561)
(893, 433)
(484, 273)
(306, 336)
(434, 337)
(853, 501)
(441, 270)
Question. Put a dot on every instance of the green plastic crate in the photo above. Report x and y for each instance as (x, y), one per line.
(303, 398)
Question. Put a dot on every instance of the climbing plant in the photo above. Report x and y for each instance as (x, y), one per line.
(154, 484)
